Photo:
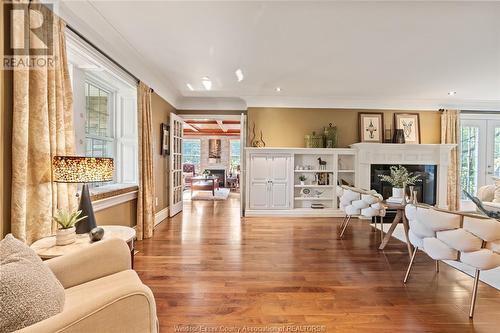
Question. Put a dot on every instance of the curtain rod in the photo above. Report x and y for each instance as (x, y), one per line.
(104, 54)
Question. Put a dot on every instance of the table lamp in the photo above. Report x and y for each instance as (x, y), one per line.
(80, 169)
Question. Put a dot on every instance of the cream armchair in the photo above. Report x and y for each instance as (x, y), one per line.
(103, 294)
(358, 202)
(468, 238)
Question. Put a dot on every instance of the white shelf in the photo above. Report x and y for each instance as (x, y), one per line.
(345, 171)
(313, 199)
(314, 186)
(327, 171)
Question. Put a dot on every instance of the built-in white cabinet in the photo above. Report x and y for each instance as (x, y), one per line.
(269, 181)
(274, 186)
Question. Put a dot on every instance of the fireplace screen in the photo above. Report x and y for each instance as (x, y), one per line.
(426, 188)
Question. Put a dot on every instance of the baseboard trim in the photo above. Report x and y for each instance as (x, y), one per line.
(161, 216)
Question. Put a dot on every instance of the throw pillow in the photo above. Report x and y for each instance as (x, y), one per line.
(29, 291)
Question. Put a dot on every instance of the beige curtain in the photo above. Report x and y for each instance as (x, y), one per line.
(450, 134)
(145, 204)
(42, 127)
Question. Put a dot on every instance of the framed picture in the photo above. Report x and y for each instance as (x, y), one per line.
(165, 139)
(410, 124)
(371, 127)
(214, 150)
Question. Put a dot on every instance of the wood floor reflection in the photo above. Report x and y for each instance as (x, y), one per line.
(208, 267)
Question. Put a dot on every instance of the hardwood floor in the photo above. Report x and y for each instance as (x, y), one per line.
(210, 270)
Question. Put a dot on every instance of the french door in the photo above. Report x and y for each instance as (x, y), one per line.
(479, 151)
(176, 179)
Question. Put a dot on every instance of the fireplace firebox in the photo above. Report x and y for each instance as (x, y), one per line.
(426, 188)
(221, 173)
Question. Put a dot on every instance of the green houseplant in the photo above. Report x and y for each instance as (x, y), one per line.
(66, 220)
(399, 178)
(302, 179)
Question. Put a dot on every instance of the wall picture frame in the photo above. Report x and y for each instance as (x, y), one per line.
(410, 124)
(165, 139)
(371, 127)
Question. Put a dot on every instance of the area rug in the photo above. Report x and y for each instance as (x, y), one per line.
(220, 194)
(491, 277)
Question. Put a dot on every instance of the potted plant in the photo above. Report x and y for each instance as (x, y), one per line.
(399, 178)
(302, 179)
(206, 173)
(66, 233)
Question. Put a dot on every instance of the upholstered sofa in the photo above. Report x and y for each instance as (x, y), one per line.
(486, 194)
(102, 293)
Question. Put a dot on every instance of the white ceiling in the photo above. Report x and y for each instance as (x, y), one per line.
(322, 54)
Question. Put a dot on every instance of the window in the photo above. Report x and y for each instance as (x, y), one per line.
(191, 152)
(469, 159)
(235, 154)
(105, 110)
(98, 125)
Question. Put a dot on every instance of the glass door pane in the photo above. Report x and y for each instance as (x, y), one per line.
(469, 159)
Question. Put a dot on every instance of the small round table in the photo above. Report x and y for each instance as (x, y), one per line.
(46, 248)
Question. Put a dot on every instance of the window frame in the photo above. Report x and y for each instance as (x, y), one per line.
(231, 151)
(197, 168)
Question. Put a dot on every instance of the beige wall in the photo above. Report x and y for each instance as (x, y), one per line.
(5, 131)
(122, 214)
(161, 114)
(286, 127)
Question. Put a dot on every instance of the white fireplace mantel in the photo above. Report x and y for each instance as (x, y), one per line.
(417, 154)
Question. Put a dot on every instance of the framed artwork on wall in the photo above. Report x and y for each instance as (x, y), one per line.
(410, 124)
(165, 139)
(214, 150)
(371, 127)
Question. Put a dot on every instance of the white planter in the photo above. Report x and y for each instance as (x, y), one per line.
(398, 192)
(65, 236)
(302, 182)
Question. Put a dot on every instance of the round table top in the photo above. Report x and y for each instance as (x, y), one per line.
(46, 247)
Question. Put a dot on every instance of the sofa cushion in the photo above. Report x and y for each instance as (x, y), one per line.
(496, 194)
(29, 291)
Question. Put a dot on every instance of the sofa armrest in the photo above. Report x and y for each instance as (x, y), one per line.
(129, 308)
(102, 258)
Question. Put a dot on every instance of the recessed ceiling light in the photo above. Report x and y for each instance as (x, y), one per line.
(452, 93)
(190, 87)
(278, 89)
(239, 74)
(207, 83)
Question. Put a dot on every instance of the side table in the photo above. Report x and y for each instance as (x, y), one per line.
(46, 248)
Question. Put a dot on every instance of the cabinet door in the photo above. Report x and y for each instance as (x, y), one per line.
(259, 185)
(279, 196)
(259, 195)
(280, 177)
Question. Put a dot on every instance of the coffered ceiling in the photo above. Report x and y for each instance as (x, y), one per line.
(320, 54)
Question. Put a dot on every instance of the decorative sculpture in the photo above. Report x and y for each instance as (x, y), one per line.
(322, 164)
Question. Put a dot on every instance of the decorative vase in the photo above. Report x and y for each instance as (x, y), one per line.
(65, 236)
(398, 192)
(399, 136)
(302, 182)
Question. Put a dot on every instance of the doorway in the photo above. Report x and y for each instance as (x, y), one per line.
(213, 161)
(479, 152)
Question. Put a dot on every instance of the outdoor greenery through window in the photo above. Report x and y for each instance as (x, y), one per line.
(235, 154)
(469, 163)
(191, 152)
(98, 133)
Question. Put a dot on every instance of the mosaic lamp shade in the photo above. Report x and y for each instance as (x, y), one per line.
(79, 169)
